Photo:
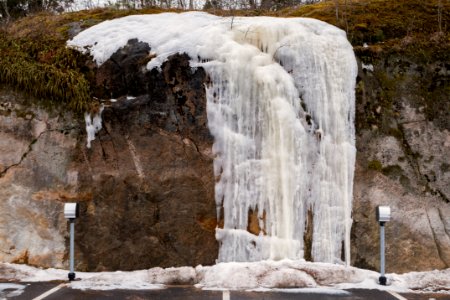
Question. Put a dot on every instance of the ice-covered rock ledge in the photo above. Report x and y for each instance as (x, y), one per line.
(240, 276)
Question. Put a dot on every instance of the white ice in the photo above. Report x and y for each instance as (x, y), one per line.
(93, 125)
(368, 67)
(280, 106)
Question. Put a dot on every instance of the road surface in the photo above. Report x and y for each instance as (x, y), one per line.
(58, 290)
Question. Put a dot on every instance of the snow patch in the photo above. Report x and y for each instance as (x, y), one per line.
(172, 276)
(368, 67)
(9, 290)
(135, 280)
(437, 280)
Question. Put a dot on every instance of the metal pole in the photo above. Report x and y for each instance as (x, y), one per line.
(72, 242)
(382, 277)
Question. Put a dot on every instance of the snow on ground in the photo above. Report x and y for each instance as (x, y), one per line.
(134, 280)
(285, 276)
(8, 290)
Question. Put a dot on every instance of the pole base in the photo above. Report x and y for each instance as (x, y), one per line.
(382, 280)
(71, 276)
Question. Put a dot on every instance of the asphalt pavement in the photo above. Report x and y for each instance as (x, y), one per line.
(61, 290)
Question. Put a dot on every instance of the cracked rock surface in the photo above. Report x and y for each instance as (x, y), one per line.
(146, 186)
(403, 144)
(36, 148)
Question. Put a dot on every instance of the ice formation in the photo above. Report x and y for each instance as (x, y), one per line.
(93, 125)
(281, 110)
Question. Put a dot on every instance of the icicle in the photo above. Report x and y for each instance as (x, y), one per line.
(93, 125)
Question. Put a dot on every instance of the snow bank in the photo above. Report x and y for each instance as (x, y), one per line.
(16, 272)
(135, 280)
(239, 276)
(437, 280)
(173, 276)
(277, 274)
(286, 276)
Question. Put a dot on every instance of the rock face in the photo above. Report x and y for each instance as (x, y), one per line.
(403, 141)
(150, 175)
(146, 185)
(35, 150)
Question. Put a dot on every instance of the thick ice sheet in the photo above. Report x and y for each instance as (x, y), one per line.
(281, 110)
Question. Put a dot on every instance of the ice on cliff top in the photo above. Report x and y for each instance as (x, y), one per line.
(196, 33)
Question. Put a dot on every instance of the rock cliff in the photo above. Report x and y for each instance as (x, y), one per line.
(403, 141)
(146, 185)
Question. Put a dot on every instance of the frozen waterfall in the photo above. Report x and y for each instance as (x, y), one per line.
(281, 110)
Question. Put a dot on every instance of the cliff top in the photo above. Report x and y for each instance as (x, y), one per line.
(33, 52)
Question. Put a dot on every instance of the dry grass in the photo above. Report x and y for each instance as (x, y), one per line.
(373, 21)
(33, 56)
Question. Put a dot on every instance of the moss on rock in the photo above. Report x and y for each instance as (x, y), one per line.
(375, 165)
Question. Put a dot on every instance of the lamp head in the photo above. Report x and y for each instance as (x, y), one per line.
(383, 213)
(71, 210)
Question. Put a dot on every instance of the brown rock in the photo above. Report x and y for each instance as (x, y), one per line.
(146, 186)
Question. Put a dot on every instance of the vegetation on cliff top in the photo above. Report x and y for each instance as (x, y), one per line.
(33, 56)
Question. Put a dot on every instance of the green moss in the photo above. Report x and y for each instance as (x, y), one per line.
(52, 81)
(373, 21)
(375, 165)
(24, 114)
(387, 93)
(35, 60)
(395, 132)
(393, 171)
(359, 88)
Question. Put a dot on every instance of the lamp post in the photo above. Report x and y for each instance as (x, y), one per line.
(71, 212)
(383, 216)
